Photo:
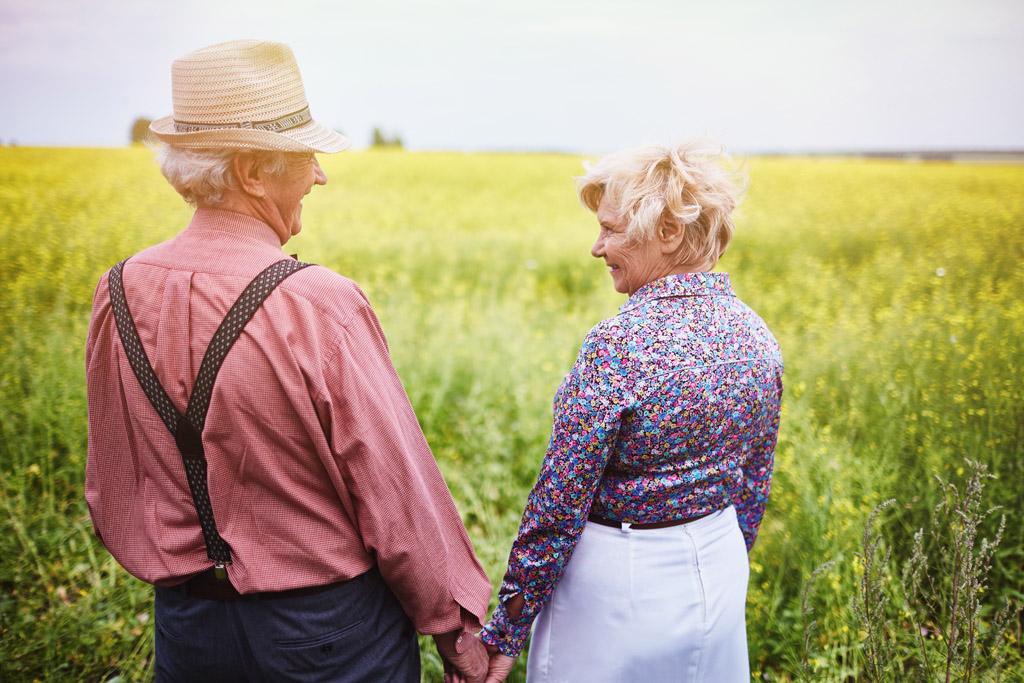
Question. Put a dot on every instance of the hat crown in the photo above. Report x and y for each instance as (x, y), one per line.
(245, 95)
(241, 81)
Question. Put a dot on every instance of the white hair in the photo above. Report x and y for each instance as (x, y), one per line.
(201, 176)
(686, 183)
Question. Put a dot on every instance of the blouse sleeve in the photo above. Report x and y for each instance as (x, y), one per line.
(751, 495)
(588, 411)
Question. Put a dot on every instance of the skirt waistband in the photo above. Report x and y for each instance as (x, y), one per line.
(724, 518)
(597, 519)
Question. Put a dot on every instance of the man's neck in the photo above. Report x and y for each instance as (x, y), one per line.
(254, 207)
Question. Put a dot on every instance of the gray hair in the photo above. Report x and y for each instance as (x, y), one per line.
(687, 183)
(201, 176)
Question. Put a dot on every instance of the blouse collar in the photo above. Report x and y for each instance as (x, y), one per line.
(682, 284)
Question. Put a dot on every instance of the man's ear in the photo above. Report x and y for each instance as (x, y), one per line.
(247, 172)
(669, 234)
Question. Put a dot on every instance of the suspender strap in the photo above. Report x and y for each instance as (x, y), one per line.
(187, 429)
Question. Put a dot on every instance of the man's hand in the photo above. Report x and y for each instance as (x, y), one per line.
(500, 665)
(465, 658)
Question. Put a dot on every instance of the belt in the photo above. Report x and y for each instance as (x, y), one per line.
(206, 586)
(597, 519)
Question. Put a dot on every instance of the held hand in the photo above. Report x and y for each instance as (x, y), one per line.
(465, 659)
(500, 665)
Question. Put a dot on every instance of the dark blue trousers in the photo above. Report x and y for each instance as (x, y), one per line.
(353, 633)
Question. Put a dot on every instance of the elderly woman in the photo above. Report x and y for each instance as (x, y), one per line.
(632, 552)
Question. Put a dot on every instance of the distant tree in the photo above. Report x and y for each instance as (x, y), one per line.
(140, 130)
(380, 139)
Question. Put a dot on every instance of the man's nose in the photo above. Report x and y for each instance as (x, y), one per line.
(321, 177)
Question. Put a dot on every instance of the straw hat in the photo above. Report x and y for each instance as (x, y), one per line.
(243, 94)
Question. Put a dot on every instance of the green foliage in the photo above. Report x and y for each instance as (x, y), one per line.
(935, 620)
(894, 289)
(379, 139)
(140, 130)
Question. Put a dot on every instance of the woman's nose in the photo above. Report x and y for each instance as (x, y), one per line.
(597, 251)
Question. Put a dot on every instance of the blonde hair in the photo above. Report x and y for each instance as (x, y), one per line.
(201, 176)
(687, 183)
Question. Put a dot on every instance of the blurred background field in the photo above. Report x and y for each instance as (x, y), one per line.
(895, 290)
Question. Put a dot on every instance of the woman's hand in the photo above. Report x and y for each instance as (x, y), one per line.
(500, 665)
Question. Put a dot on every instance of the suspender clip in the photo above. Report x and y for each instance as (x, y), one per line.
(220, 571)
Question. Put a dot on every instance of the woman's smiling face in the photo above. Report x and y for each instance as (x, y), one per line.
(632, 264)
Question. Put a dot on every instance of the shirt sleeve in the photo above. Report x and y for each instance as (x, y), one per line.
(751, 495)
(92, 491)
(588, 410)
(394, 491)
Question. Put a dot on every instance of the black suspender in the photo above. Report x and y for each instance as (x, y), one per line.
(187, 429)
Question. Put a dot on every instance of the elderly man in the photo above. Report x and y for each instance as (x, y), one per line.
(252, 452)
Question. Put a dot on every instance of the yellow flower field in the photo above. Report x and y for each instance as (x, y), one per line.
(895, 289)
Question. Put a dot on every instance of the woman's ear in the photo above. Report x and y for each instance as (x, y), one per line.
(669, 234)
(246, 169)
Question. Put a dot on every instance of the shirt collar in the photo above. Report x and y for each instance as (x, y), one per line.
(683, 284)
(233, 223)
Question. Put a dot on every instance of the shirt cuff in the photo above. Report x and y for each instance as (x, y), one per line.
(508, 635)
(461, 619)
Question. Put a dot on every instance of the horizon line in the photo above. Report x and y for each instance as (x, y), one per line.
(926, 153)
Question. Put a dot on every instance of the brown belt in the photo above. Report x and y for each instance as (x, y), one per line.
(206, 586)
(597, 519)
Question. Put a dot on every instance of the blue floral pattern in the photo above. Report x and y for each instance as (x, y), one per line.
(670, 411)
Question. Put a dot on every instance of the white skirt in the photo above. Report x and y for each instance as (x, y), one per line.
(648, 606)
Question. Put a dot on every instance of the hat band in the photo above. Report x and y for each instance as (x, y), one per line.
(286, 122)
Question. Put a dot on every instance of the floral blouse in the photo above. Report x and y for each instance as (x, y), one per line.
(671, 411)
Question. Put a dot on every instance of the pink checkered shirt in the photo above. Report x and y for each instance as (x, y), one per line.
(318, 469)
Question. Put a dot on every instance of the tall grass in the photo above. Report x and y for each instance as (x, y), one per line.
(934, 620)
(895, 291)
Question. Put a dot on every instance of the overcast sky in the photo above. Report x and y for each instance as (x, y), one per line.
(587, 75)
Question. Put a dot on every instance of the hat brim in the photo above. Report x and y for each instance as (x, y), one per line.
(310, 137)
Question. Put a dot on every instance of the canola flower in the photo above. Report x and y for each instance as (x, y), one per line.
(894, 289)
